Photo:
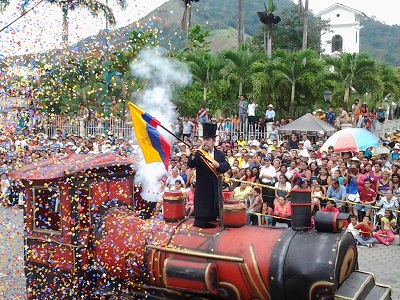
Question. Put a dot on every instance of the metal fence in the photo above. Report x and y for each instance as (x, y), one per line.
(124, 129)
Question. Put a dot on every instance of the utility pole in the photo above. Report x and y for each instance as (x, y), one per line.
(106, 111)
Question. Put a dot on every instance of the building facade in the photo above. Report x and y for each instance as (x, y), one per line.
(344, 35)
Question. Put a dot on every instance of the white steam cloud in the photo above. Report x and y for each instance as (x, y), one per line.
(163, 74)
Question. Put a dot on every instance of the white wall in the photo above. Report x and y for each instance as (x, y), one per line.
(345, 23)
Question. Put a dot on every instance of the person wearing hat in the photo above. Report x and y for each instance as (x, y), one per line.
(381, 114)
(209, 162)
(269, 114)
(319, 114)
(395, 152)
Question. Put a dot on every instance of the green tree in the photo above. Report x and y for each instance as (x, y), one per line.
(390, 81)
(288, 35)
(293, 66)
(93, 6)
(197, 39)
(205, 70)
(268, 19)
(350, 70)
(244, 64)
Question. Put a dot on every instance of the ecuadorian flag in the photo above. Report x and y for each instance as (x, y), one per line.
(154, 146)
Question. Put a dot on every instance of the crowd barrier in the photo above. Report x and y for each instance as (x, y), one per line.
(124, 129)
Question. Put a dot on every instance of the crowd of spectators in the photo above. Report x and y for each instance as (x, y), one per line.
(264, 167)
(362, 184)
(23, 141)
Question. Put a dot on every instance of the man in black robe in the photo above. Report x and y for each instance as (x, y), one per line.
(209, 162)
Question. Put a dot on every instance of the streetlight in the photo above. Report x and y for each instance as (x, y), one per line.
(106, 108)
(328, 96)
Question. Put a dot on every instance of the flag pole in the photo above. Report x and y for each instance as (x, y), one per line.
(171, 133)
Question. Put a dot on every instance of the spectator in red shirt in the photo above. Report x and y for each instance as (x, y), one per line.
(330, 206)
(367, 198)
(366, 233)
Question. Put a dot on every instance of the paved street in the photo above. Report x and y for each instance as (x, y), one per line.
(381, 260)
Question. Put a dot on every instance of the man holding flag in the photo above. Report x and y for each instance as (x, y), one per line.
(209, 162)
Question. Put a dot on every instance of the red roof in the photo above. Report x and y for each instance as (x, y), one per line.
(66, 166)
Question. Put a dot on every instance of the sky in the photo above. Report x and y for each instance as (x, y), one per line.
(369, 7)
(40, 30)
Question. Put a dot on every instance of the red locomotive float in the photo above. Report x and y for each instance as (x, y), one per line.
(85, 239)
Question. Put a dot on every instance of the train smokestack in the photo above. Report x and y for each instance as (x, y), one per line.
(301, 209)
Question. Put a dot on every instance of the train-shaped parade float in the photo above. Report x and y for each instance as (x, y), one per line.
(86, 237)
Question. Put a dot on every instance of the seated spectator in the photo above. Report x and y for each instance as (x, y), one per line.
(388, 223)
(267, 213)
(303, 184)
(366, 233)
(189, 208)
(330, 206)
(241, 191)
(179, 187)
(338, 193)
(387, 202)
(317, 193)
(255, 205)
(367, 199)
(170, 183)
(282, 212)
(352, 224)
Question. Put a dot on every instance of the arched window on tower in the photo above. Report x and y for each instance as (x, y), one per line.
(337, 43)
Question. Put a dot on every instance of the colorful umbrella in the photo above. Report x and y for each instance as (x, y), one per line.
(351, 139)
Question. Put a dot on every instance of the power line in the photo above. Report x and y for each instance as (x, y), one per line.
(8, 25)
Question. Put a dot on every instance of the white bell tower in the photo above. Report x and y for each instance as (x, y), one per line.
(345, 27)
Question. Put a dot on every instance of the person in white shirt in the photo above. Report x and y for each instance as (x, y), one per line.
(306, 141)
(170, 182)
(302, 151)
(187, 127)
(270, 114)
(253, 142)
(350, 227)
(267, 176)
(251, 113)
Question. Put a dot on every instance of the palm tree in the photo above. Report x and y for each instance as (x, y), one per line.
(268, 19)
(93, 6)
(241, 23)
(186, 21)
(293, 66)
(205, 70)
(244, 64)
(349, 70)
(305, 25)
(390, 81)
